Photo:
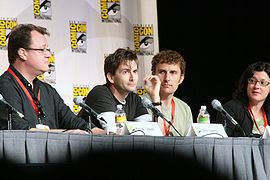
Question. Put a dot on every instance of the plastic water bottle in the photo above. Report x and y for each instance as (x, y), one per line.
(203, 116)
(120, 119)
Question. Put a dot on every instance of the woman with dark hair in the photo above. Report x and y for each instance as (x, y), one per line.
(250, 104)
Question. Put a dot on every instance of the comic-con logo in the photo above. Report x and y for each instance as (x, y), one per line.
(140, 91)
(6, 24)
(81, 91)
(110, 11)
(42, 9)
(50, 75)
(143, 39)
(78, 36)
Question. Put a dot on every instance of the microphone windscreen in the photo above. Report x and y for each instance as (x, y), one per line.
(146, 102)
(216, 104)
(78, 100)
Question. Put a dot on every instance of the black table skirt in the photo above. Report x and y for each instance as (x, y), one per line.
(231, 158)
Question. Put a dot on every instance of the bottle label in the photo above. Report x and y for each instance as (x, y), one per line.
(203, 120)
(120, 119)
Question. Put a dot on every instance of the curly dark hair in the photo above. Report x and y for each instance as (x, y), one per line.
(170, 57)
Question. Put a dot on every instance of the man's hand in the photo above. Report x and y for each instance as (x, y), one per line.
(77, 131)
(152, 86)
(96, 130)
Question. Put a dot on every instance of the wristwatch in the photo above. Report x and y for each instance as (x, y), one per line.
(157, 103)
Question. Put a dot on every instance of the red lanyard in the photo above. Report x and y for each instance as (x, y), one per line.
(167, 129)
(264, 119)
(26, 92)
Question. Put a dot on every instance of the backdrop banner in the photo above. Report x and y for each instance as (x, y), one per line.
(82, 34)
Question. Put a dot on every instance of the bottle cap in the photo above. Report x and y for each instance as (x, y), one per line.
(203, 107)
(119, 106)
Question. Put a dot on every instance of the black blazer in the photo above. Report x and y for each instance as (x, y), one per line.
(239, 111)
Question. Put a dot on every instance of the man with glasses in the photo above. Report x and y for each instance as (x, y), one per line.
(39, 102)
(250, 105)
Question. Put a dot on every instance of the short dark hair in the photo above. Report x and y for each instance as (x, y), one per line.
(114, 60)
(20, 37)
(170, 57)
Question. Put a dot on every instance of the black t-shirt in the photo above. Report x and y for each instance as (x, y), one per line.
(101, 99)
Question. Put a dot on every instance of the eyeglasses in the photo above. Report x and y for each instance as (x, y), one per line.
(44, 50)
(262, 83)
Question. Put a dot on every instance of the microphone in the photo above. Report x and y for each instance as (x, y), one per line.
(148, 104)
(11, 107)
(80, 102)
(217, 105)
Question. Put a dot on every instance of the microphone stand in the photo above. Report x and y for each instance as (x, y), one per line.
(237, 126)
(225, 124)
(90, 112)
(169, 122)
(9, 118)
(89, 118)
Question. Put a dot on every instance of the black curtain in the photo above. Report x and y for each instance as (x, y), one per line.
(218, 39)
